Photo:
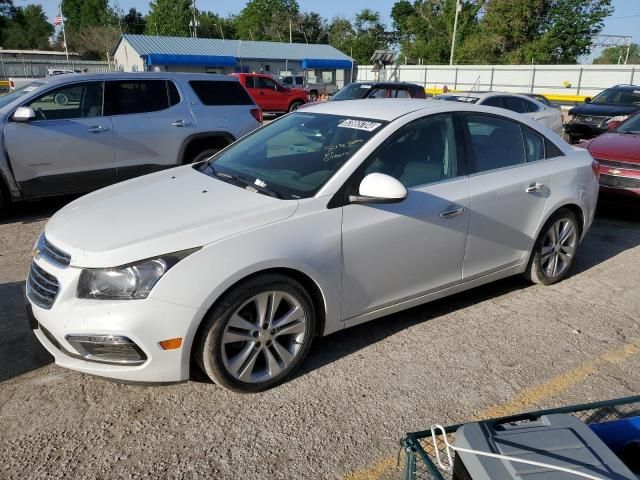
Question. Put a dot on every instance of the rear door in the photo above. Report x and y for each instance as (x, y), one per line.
(509, 186)
(68, 147)
(151, 120)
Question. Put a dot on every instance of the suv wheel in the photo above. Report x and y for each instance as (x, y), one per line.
(257, 334)
(555, 249)
(295, 105)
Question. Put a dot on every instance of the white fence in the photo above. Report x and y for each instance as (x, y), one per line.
(559, 80)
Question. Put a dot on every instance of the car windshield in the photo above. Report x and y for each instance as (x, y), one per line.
(617, 96)
(10, 97)
(354, 91)
(632, 125)
(294, 156)
(457, 98)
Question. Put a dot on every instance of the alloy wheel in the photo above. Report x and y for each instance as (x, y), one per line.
(558, 248)
(263, 337)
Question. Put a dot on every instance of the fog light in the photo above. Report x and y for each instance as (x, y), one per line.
(107, 349)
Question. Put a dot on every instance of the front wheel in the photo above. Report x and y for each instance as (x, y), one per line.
(555, 249)
(257, 334)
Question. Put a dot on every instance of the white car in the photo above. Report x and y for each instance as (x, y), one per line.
(548, 115)
(324, 219)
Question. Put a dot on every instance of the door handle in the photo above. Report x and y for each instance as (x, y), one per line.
(97, 129)
(452, 212)
(535, 188)
(181, 123)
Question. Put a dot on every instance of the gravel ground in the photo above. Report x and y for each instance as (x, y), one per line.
(501, 348)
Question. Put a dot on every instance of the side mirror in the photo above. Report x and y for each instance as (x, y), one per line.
(379, 188)
(23, 114)
(587, 100)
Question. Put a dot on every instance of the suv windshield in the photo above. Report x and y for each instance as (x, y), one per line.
(354, 91)
(10, 97)
(630, 126)
(293, 156)
(618, 96)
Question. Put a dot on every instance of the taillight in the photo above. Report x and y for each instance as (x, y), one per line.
(595, 166)
(257, 114)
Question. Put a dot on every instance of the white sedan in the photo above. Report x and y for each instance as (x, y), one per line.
(326, 218)
(548, 115)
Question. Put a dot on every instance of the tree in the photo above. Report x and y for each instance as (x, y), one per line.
(79, 14)
(28, 29)
(267, 19)
(615, 55)
(212, 25)
(424, 29)
(133, 22)
(360, 38)
(170, 17)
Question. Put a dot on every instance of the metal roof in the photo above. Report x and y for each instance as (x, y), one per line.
(241, 49)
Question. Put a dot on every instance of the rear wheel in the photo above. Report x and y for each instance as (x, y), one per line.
(257, 334)
(555, 249)
(295, 105)
(313, 95)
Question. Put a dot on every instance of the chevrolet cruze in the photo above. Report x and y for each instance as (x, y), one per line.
(326, 218)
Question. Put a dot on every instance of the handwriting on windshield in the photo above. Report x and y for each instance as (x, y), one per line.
(341, 150)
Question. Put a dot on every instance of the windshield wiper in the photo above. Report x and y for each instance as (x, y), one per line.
(246, 183)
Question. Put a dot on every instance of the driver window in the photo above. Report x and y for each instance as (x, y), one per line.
(419, 153)
(79, 100)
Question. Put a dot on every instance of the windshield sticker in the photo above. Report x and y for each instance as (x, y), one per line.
(359, 125)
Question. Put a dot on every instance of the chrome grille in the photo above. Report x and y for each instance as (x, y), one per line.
(619, 182)
(42, 287)
(618, 164)
(55, 254)
(590, 119)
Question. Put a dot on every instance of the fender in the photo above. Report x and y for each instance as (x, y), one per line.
(196, 136)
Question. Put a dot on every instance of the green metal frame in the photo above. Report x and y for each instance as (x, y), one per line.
(414, 451)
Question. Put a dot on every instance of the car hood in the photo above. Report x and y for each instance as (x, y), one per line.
(603, 110)
(612, 146)
(156, 214)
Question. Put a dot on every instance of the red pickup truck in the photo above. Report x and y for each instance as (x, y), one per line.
(270, 95)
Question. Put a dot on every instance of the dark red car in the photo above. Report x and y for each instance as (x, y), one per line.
(618, 153)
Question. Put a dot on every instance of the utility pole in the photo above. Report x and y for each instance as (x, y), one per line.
(64, 35)
(195, 21)
(290, 32)
(455, 31)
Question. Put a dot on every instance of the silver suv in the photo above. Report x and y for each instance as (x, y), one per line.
(78, 132)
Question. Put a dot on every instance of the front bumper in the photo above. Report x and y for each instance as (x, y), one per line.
(583, 130)
(619, 181)
(145, 322)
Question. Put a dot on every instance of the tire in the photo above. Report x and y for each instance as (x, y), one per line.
(313, 95)
(541, 267)
(205, 154)
(239, 349)
(295, 105)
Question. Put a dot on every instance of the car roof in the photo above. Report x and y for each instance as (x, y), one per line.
(387, 84)
(102, 76)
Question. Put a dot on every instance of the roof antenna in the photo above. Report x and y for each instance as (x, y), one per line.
(472, 87)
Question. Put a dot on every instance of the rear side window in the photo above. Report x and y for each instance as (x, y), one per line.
(174, 96)
(551, 150)
(533, 145)
(532, 107)
(221, 93)
(495, 142)
(125, 97)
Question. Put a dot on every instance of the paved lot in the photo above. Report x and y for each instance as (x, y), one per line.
(498, 349)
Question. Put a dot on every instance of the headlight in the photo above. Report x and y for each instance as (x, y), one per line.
(128, 282)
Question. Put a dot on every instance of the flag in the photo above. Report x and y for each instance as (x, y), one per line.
(58, 20)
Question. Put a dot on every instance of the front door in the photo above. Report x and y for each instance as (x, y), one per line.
(68, 147)
(268, 96)
(397, 252)
(150, 124)
(509, 185)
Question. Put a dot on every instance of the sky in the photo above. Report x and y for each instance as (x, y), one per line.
(624, 20)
